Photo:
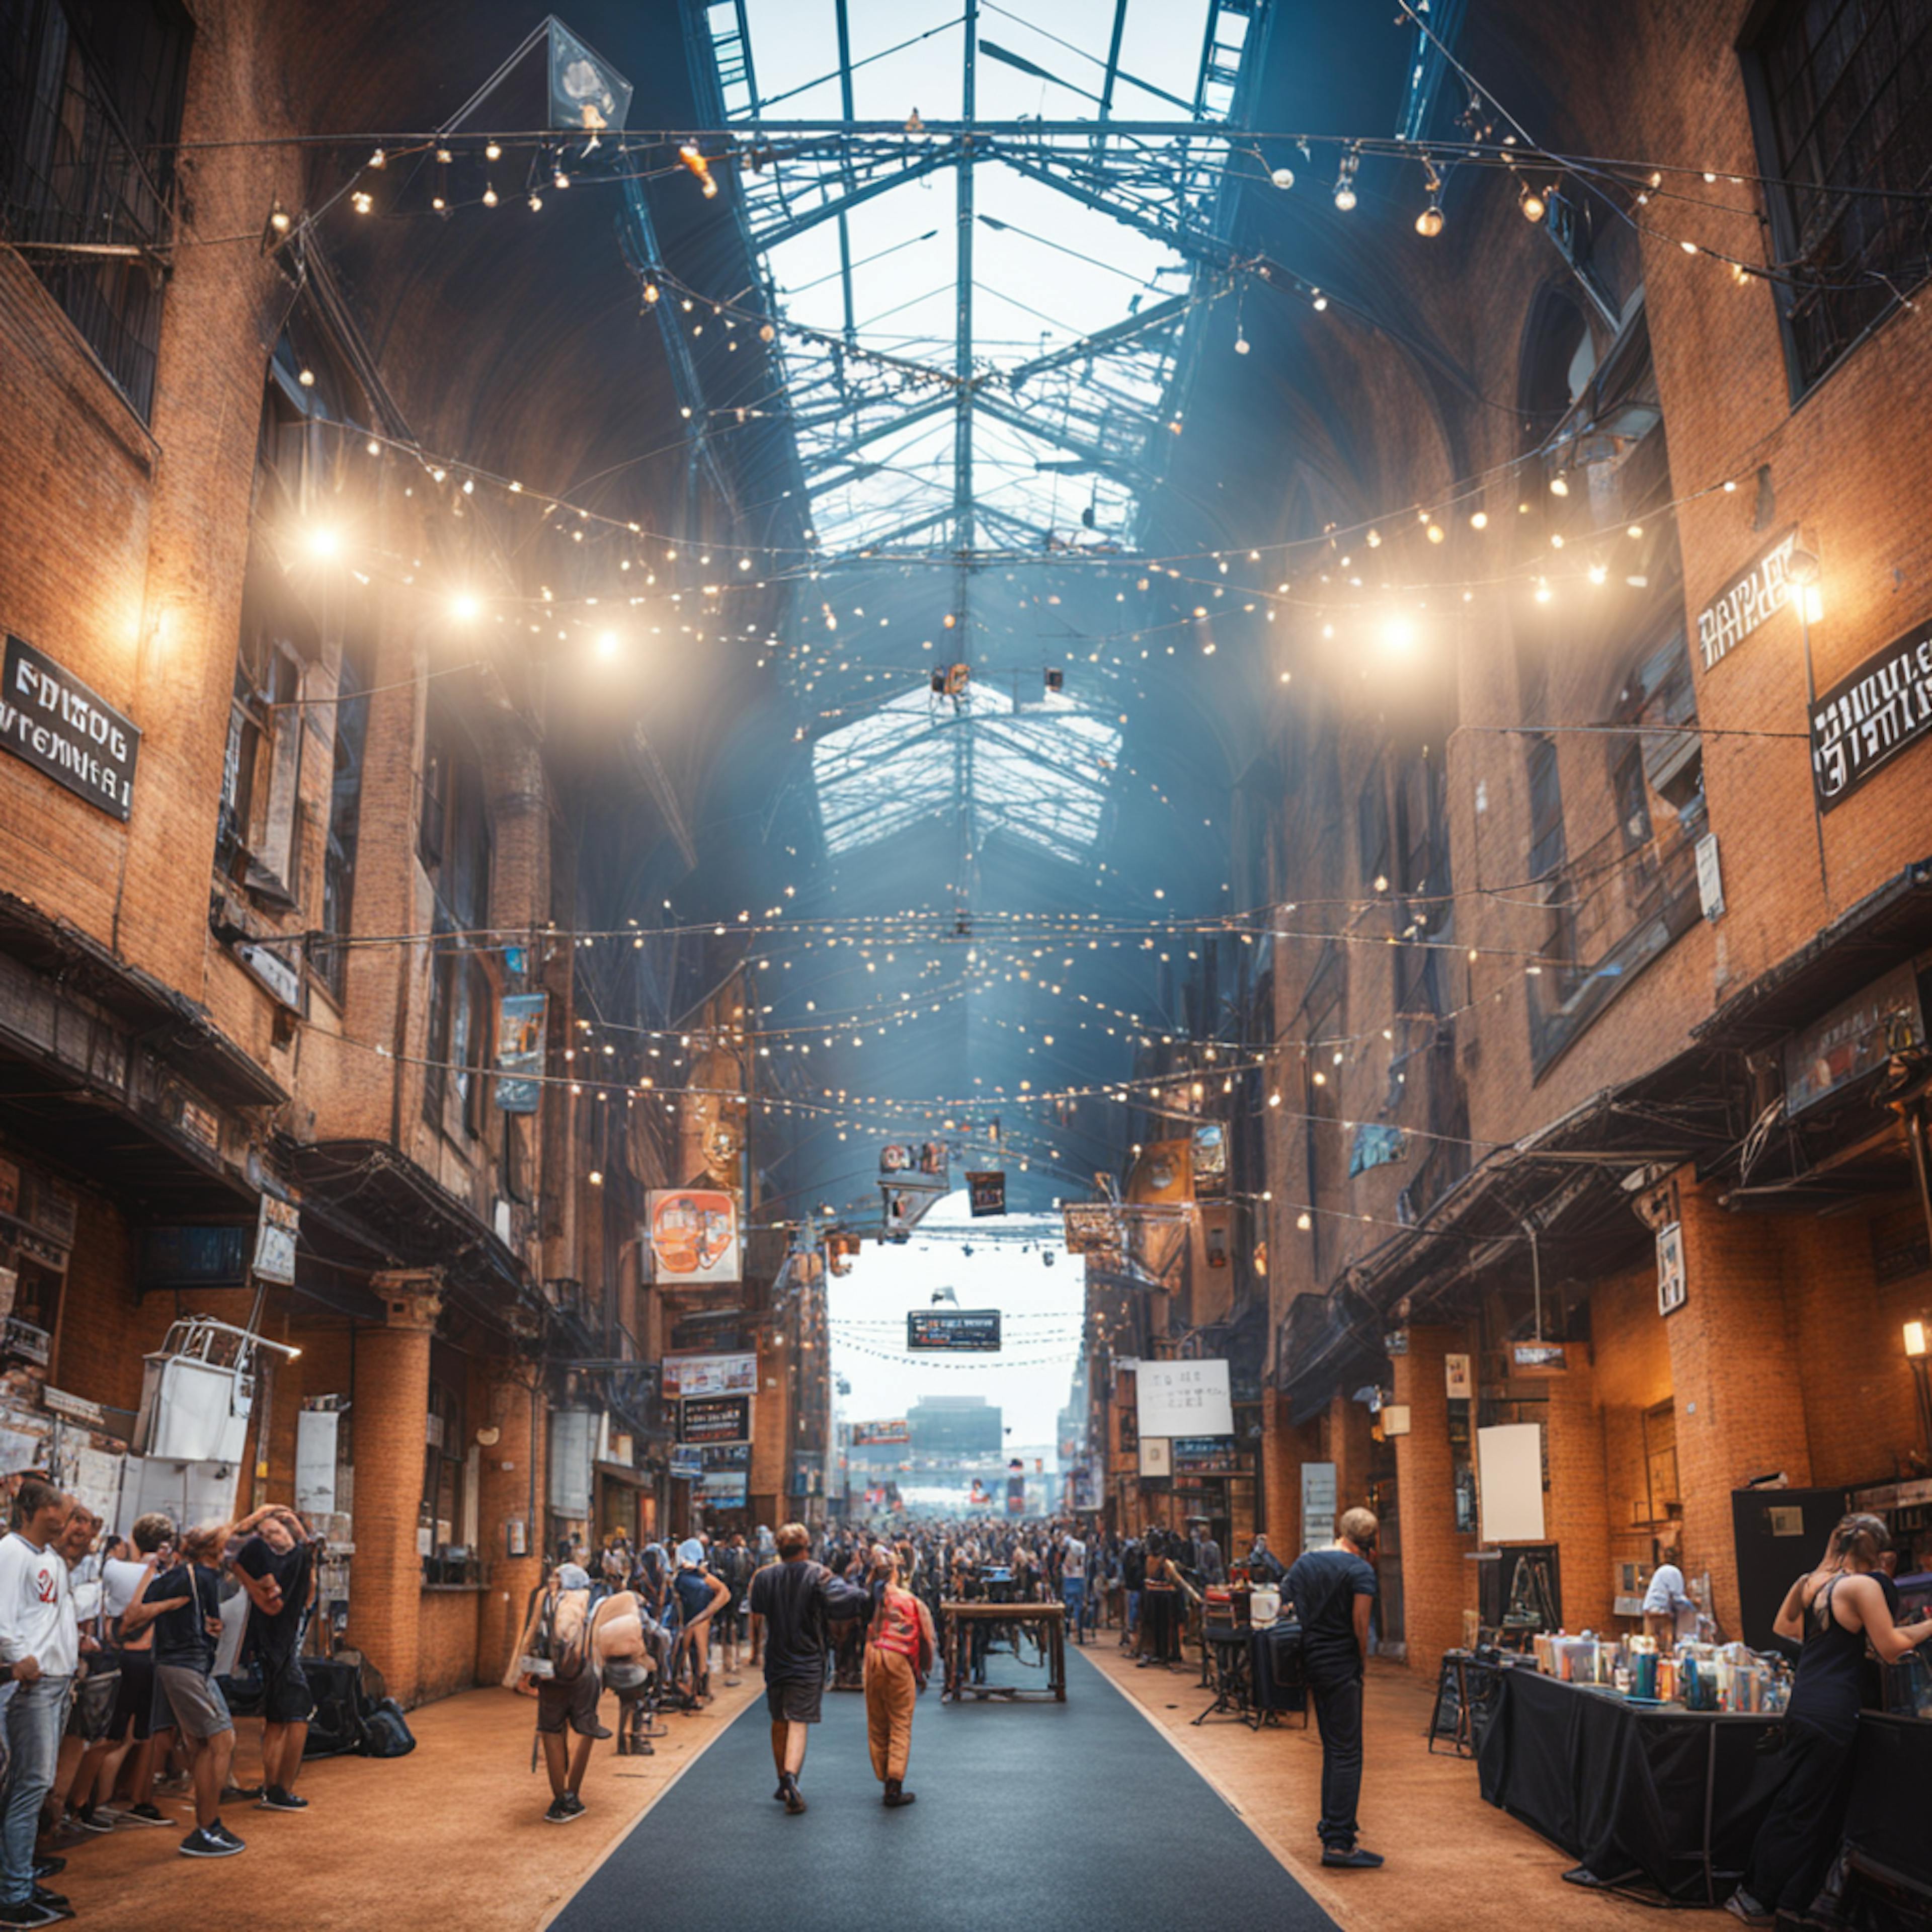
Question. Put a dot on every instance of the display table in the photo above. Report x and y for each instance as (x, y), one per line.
(1652, 1796)
(1890, 1848)
(958, 1617)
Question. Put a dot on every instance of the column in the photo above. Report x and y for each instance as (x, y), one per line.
(392, 1399)
(512, 1480)
(1578, 1507)
(1437, 1582)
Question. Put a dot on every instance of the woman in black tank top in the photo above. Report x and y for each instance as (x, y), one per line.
(1835, 1610)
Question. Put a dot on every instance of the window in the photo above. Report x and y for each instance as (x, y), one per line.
(345, 812)
(1372, 829)
(1843, 98)
(1545, 809)
(261, 768)
(448, 1507)
(453, 841)
(90, 109)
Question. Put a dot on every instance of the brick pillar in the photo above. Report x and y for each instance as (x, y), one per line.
(1349, 1443)
(1740, 1405)
(511, 1490)
(1578, 1507)
(1284, 1449)
(1436, 1582)
(392, 1400)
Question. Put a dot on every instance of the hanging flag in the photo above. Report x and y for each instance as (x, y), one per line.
(586, 90)
(520, 1052)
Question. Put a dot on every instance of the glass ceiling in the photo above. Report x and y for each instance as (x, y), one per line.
(1070, 315)
(1040, 773)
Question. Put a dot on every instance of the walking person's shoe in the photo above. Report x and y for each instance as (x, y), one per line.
(274, 1799)
(209, 1841)
(1350, 1858)
(896, 1794)
(55, 1902)
(1747, 1910)
(26, 1912)
(794, 1799)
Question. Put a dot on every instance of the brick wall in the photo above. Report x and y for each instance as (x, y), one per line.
(1437, 1581)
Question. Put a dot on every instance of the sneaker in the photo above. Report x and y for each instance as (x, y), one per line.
(52, 1901)
(274, 1799)
(564, 1810)
(209, 1842)
(794, 1798)
(148, 1814)
(89, 1819)
(227, 1838)
(1350, 1858)
(48, 1867)
(1747, 1910)
(28, 1913)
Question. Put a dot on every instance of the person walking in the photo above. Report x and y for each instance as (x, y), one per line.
(277, 1564)
(1333, 1590)
(899, 1659)
(39, 1645)
(1834, 1609)
(793, 1600)
(1073, 1584)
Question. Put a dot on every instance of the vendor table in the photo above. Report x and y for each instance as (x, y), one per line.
(1641, 1794)
(1052, 1618)
(1889, 1848)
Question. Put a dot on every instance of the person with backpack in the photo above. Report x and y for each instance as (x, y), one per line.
(556, 1657)
(899, 1660)
(731, 1565)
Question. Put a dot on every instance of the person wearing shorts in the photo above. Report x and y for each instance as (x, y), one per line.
(276, 1567)
(567, 1698)
(792, 1601)
(183, 1603)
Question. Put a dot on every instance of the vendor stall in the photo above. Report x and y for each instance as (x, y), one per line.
(1049, 1621)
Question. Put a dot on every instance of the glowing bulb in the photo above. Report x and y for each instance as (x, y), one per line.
(1559, 485)
(279, 220)
(493, 152)
(1302, 1221)
(307, 378)
(361, 202)
(1374, 539)
(1320, 301)
(1916, 1338)
(536, 201)
(1283, 178)
(1543, 590)
(1597, 573)
(324, 542)
(1345, 197)
(607, 644)
(1532, 203)
(374, 448)
(561, 179)
(596, 1177)
(1429, 222)
(1479, 521)
(652, 292)
(1240, 345)
(1436, 533)
(1689, 247)
(463, 606)
(489, 196)
(379, 159)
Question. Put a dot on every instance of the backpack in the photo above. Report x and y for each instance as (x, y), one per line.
(386, 1733)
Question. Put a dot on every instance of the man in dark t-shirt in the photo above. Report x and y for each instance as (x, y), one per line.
(276, 1565)
(1333, 1590)
(792, 1602)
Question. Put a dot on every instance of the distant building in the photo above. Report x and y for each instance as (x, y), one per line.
(954, 1425)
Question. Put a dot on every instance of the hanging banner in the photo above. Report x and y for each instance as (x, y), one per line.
(1864, 720)
(878, 1434)
(1092, 1227)
(586, 90)
(1210, 1160)
(687, 1375)
(988, 1194)
(693, 1235)
(959, 1330)
(54, 722)
(715, 1418)
(1857, 1036)
(520, 1051)
(275, 1232)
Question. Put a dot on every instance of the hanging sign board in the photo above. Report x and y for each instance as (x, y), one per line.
(693, 1235)
(971, 1331)
(1092, 1227)
(275, 1240)
(881, 1435)
(1456, 1377)
(988, 1194)
(1747, 601)
(1183, 1399)
(1318, 1505)
(54, 722)
(688, 1375)
(687, 1463)
(1856, 1035)
(1864, 720)
(1670, 1289)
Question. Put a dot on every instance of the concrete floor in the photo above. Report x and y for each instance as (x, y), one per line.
(453, 1834)
(1455, 1864)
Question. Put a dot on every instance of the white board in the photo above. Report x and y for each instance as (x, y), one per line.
(1509, 1478)
(1183, 1399)
(315, 1461)
(1318, 1505)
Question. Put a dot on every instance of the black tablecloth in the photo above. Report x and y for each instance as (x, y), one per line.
(1637, 1794)
(1890, 1818)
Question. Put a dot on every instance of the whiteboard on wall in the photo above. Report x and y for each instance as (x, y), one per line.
(1509, 1478)
(1183, 1399)
(315, 1461)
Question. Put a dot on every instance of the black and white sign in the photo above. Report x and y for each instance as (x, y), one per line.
(1864, 721)
(1745, 603)
(957, 1330)
(715, 1418)
(275, 1235)
(51, 719)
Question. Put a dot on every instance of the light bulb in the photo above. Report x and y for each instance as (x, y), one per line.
(1302, 1221)
(652, 292)
(324, 542)
(464, 606)
(1479, 521)
(493, 152)
(361, 202)
(562, 180)
(279, 220)
(607, 644)
(374, 448)
(1283, 178)
(1559, 485)
(1543, 590)
(379, 159)
(437, 201)
(1240, 345)
(1374, 539)
(1532, 203)
(767, 333)
(1345, 197)
(1320, 301)
(1429, 222)
(489, 196)
(307, 378)
(536, 201)
(1597, 573)
(1436, 533)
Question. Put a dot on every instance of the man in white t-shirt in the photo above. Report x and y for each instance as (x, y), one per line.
(1670, 1611)
(1073, 1584)
(40, 1642)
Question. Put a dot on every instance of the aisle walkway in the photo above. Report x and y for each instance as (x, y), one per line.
(1078, 1815)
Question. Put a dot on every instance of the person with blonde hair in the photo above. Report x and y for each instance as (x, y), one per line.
(1333, 1590)
(1833, 1611)
(183, 1603)
(899, 1658)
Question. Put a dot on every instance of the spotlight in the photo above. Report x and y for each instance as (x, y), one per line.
(607, 644)
(323, 541)
(463, 606)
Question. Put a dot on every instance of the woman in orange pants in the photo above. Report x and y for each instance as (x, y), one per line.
(899, 1650)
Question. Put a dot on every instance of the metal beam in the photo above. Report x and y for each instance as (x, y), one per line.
(962, 341)
(1103, 339)
(840, 205)
(1111, 460)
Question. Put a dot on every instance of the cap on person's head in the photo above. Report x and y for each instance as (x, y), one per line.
(572, 1577)
(691, 1553)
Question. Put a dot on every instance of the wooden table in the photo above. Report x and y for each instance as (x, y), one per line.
(959, 1616)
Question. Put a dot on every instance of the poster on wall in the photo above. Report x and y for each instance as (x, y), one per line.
(1183, 1399)
(687, 1375)
(520, 1051)
(1509, 1482)
(1670, 1286)
(1456, 1377)
(1318, 1505)
(1156, 1458)
(715, 1418)
(275, 1235)
(987, 1193)
(1864, 720)
(693, 1235)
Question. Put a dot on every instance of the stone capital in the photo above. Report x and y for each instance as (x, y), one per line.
(413, 1296)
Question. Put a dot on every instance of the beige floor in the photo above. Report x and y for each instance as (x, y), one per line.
(453, 1835)
(1455, 1865)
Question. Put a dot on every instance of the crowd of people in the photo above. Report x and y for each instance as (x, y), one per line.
(114, 1655)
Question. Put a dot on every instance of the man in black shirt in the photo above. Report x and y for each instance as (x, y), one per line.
(1332, 1589)
(792, 1602)
(276, 1565)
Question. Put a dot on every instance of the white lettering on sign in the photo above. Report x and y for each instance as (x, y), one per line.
(1759, 594)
